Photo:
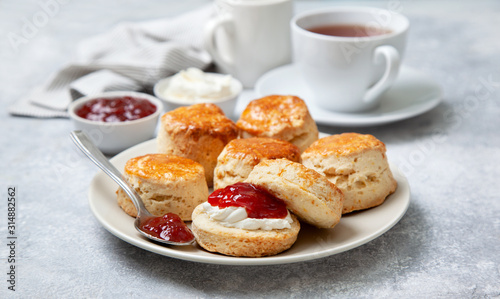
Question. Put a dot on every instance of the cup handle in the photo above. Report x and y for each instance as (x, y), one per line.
(392, 61)
(211, 46)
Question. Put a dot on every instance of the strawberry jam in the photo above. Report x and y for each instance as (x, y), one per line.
(257, 201)
(116, 109)
(169, 227)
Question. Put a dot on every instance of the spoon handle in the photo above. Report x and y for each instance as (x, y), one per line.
(83, 142)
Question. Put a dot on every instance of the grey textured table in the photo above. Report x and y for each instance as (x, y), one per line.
(447, 244)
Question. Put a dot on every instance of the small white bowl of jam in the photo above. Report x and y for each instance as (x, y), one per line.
(193, 86)
(116, 120)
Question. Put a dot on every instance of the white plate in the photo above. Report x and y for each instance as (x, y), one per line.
(412, 94)
(353, 230)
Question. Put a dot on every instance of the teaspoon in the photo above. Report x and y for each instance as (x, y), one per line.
(83, 142)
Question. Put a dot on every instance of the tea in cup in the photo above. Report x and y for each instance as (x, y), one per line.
(348, 56)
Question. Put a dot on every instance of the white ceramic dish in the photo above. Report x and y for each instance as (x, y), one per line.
(227, 104)
(412, 94)
(114, 137)
(353, 230)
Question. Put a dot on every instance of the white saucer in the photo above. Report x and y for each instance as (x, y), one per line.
(412, 94)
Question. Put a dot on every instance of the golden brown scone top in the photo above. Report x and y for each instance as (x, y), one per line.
(198, 120)
(163, 167)
(273, 113)
(345, 144)
(262, 147)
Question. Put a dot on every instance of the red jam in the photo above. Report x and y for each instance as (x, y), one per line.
(257, 201)
(116, 109)
(169, 227)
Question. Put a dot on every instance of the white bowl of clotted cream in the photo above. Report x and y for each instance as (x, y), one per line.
(193, 86)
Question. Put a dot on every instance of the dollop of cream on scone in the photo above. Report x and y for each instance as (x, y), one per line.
(237, 217)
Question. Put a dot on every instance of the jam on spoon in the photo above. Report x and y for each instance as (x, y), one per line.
(169, 227)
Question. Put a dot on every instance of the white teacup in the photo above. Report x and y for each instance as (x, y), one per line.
(349, 73)
(250, 37)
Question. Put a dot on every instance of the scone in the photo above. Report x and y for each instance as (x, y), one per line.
(308, 194)
(355, 163)
(214, 237)
(198, 132)
(241, 155)
(279, 116)
(166, 184)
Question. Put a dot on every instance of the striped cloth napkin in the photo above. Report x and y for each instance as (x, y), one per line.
(132, 56)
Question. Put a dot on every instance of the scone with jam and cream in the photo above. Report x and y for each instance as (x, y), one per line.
(252, 218)
(244, 220)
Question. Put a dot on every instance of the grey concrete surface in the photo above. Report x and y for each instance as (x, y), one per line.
(446, 246)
